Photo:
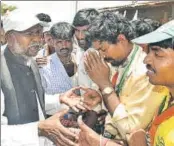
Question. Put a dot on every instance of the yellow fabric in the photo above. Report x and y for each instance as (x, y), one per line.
(165, 133)
(139, 100)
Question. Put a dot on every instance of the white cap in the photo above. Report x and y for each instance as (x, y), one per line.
(19, 22)
(166, 31)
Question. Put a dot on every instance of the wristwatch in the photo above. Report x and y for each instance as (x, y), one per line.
(107, 91)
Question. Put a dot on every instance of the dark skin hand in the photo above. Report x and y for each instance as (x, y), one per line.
(99, 72)
(71, 99)
(56, 132)
(91, 98)
(97, 69)
(88, 137)
(41, 61)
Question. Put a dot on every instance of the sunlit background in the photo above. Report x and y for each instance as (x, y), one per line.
(62, 10)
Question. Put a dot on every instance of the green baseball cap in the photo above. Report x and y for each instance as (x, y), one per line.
(164, 32)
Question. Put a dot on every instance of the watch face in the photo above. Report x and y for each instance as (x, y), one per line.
(108, 90)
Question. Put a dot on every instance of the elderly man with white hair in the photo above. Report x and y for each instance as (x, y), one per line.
(24, 105)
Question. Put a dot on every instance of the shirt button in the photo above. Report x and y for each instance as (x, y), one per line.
(28, 73)
(34, 110)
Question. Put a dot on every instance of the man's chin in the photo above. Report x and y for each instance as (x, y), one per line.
(113, 62)
(154, 82)
(81, 46)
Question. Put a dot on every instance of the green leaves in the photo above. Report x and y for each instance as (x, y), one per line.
(5, 8)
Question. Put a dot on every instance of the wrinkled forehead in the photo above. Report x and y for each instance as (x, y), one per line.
(62, 39)
(82, 28)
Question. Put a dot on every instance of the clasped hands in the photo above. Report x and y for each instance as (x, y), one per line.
(53, 129)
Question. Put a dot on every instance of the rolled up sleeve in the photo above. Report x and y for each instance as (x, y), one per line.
(125, 121)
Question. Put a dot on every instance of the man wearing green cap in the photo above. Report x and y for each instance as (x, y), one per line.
(128, 96)
(160, 65)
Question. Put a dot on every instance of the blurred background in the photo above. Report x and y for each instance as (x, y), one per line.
(65, 10)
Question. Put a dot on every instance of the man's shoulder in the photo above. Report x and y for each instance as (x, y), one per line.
(165, 127)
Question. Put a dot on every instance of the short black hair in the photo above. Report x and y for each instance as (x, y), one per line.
(168, 43)
(154, 23)
(43, 17)
(107, 26)
(142, 27)
(62, 30)
(85, 17)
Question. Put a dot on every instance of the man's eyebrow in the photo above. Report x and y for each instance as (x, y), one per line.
(155, 48)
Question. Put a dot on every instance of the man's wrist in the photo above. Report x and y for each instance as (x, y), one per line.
(40, 128)
(104, 85)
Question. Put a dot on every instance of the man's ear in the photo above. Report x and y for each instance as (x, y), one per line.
(121, 37)
(11, 38)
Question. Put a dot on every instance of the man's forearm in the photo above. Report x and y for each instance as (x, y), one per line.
(111, 101)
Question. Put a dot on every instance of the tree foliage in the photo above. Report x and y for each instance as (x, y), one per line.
(5, 8)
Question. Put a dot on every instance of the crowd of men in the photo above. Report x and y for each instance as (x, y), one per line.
(103, 80)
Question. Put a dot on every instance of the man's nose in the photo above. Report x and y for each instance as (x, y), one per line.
(81, 35)
(64, 44)
(148, 59)
(42, 41)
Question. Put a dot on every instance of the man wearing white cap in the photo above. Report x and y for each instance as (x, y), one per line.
(23, 104)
